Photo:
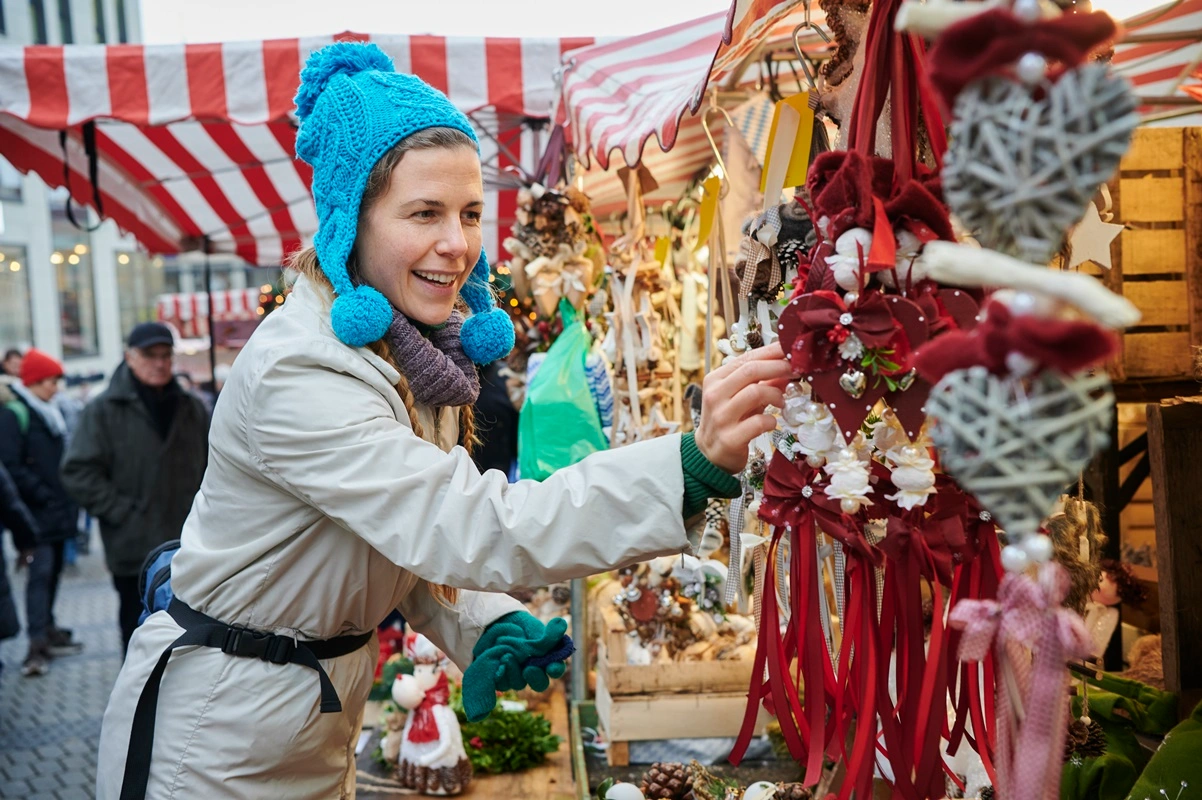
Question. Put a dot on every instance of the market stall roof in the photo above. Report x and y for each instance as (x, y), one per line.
(618, 95)
(1162, 56)
(195, 142)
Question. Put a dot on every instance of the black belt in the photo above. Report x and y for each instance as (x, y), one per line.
(236, 640)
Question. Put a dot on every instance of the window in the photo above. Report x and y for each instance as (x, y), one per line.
(16, 319)
(64, 21)
(122, 29)
(98, 15)
(11, 181)
(37, 17)
(140, 281)
(72, 259)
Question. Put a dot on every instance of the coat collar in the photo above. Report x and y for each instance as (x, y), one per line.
(316, 300)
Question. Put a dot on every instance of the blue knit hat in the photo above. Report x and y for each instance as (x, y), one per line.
(353, 108)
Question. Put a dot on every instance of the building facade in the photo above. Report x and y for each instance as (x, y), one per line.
(64, 289)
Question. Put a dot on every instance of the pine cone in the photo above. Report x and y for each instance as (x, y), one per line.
(1095, 743)
(793, 791)
(667, 781)
(1078, 733)
(788, 253)
(987, 793)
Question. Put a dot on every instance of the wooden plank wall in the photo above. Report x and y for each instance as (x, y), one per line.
(1157, 194)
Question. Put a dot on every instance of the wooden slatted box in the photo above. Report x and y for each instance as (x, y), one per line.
(1157, 264)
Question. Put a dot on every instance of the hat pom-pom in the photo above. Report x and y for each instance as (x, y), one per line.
(340, 58)
(361, 316)
(487, 336)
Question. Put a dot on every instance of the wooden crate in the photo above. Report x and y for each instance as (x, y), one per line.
(682, 677)
(1157, 194)
(685, 700)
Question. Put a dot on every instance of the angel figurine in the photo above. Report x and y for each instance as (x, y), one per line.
(432, 760)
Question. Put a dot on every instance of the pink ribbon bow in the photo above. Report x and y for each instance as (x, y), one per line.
(1035, 636)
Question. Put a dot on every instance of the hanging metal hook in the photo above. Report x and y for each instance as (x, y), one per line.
(705, 126)
(807, 64)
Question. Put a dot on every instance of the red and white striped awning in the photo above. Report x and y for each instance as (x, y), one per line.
(1165, 60)
(616, 96)
(619, 94)
(196, 142)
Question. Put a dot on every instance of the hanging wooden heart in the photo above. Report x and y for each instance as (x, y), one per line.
(1014, 444)
(1020, 168)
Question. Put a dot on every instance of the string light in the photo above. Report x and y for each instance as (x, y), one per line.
(80, 249)
(73, 259)
(14, 266)
(56, 258)
(123, 259)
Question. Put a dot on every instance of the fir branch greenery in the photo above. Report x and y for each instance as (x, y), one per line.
(504, 741)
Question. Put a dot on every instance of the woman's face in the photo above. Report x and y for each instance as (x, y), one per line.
(419, 241)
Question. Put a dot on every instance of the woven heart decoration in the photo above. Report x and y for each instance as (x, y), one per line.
(1014, 444)
(1021, 169)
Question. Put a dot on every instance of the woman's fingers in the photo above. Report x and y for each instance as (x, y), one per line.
(766, 353)
(753, 399)
(753, 426)
(749, 373)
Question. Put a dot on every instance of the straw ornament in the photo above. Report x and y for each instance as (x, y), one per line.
(1020, 169)
(1015, 445)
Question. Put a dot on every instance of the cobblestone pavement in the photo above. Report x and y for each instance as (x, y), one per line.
(50, 726)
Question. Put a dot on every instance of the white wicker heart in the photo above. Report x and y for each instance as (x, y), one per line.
(1020, 170)
(1015, 445)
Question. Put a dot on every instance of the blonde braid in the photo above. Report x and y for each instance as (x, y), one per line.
(467, 429)
(446, 595)
(381, 349)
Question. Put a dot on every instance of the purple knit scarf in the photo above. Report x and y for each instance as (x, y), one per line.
(439, 373)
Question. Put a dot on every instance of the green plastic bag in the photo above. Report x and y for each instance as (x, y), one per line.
(559, 423)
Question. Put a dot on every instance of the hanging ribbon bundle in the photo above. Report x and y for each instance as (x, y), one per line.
(795, 504)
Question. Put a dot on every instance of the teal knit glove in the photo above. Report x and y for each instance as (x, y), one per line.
(514, 652)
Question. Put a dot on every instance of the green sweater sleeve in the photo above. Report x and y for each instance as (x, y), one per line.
(702, 480)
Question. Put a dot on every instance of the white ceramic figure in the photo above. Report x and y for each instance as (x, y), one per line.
(849, 480)
(851, 251)
(432, 760)
(817, 434)
(910, 269)
(913, 475)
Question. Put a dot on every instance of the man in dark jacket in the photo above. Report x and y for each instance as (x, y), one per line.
(32, 442)
(136, 460)
(15, 516)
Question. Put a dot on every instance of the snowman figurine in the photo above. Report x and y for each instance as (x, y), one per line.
(432, 760)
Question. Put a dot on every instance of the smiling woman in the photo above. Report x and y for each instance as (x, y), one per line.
(336, 491)
(419, 234)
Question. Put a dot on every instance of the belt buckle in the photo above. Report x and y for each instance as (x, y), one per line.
(242, 641)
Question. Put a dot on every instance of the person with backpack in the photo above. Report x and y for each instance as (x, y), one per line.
(136, 459)
(32, 442)
(340, 486)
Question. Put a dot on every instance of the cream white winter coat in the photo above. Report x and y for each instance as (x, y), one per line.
(321, 511)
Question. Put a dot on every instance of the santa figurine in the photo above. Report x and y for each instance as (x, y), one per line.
(432, 760)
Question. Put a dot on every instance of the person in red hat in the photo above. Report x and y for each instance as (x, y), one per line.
(33, 438)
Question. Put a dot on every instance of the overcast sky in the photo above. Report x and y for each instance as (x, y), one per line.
(226, 20)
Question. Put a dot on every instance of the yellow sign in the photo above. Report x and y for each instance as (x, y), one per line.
(709, 209)
(789, 141)
(663, 249)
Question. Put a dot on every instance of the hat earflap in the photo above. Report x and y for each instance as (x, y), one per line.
(487, 334)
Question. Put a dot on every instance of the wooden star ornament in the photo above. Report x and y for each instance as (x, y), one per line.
(1091, 239)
